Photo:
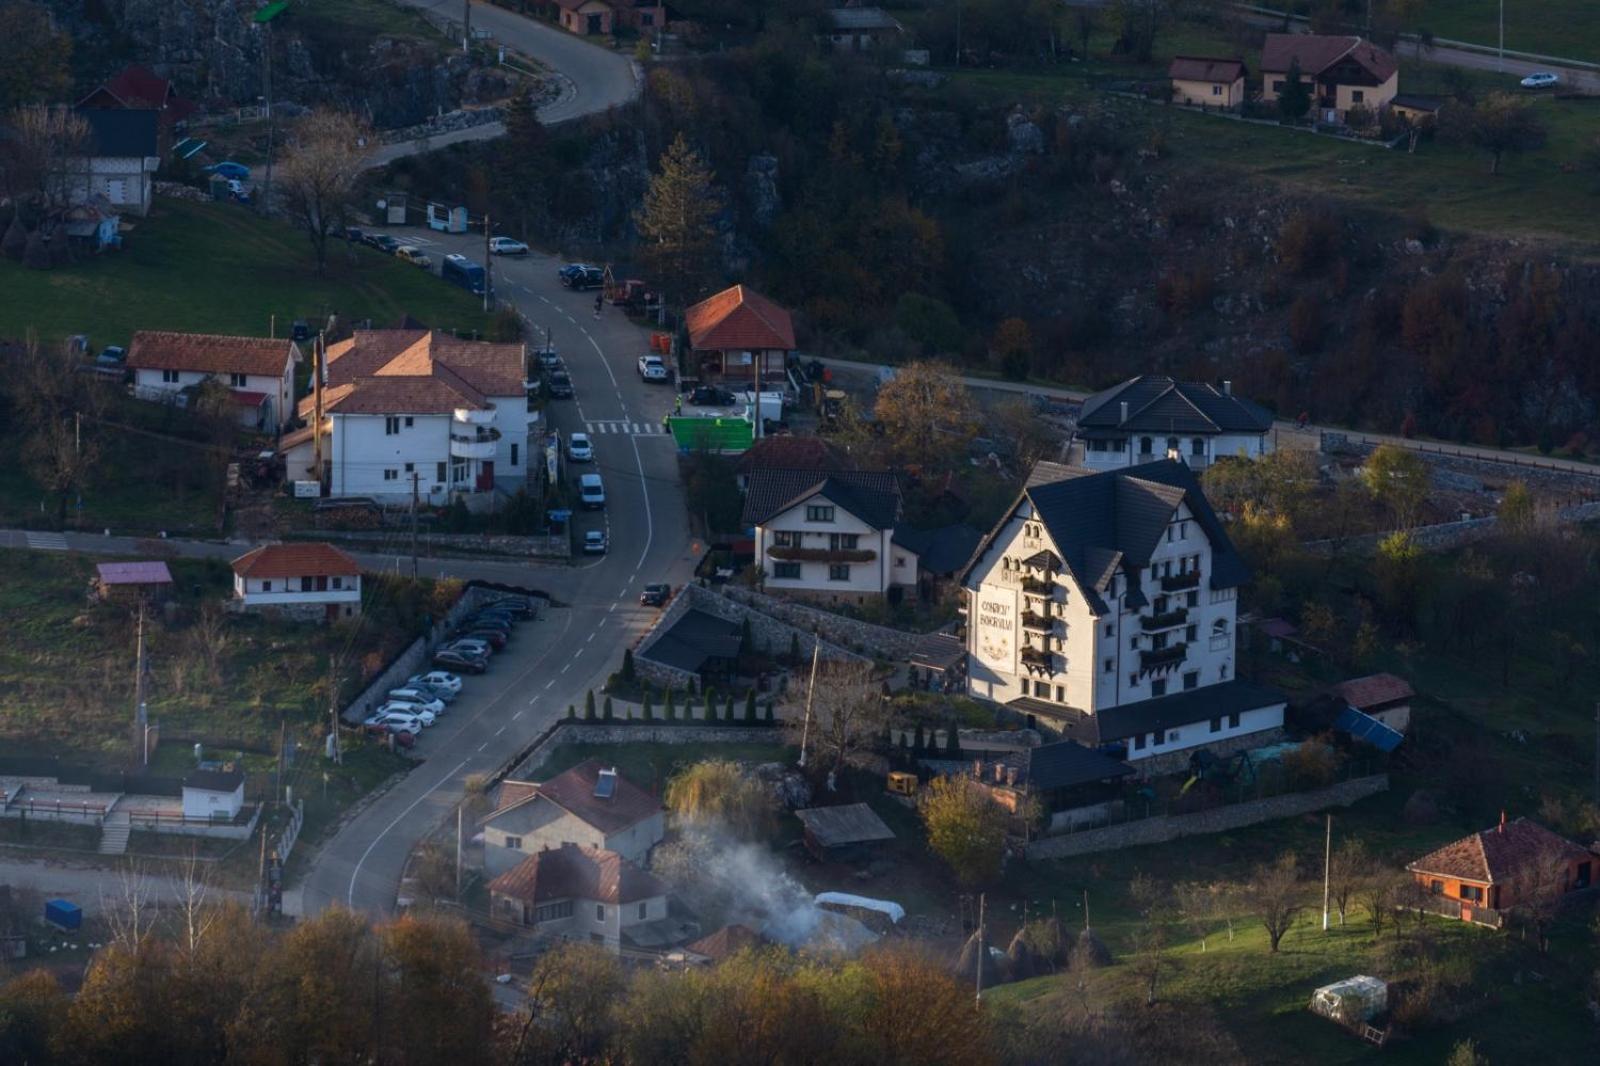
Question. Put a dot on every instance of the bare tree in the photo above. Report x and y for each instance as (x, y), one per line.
(1542, 891)
(46, 157)
(318, 176)
(848, 712)
(129, 911)
(192, 887)
(1378, 894)
(1197, 910)
(1278, 895)
(211, 639)
(1351, 866)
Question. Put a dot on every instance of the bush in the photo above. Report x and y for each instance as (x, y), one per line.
(1306, 324)
(1307, 242)
(572, 713)
(671, 707)
(767, 716)
(606, 711)
(647, 712)
(629, 674)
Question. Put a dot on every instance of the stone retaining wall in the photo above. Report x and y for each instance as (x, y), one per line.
(1160, 829)
(568, 732)
(555, 546)
(863, 638)
(1446, 536)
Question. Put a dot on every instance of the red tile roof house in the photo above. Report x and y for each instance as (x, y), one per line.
(578, 892)
(406, 408)
(1203, 82)
(733, 330)
(1382, 696)
(1343, 72)
(259, 371)
(589, 804)
(140, 88)
(1501, 867)
(309, 581)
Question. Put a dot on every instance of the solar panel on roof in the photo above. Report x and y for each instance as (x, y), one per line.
(605, 786)
(1366, 728)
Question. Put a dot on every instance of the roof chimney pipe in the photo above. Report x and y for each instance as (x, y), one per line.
(1124, 417)
(1227, 387)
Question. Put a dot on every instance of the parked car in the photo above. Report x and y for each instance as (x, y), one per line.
(354, 235)
(474, 646)
(395, 721)
(1541, 79)
(506, 246)
(711, 396)
(112, 355)
(549, 357)
(585, 277)
(383, 243)
(567, 270)
(460, 660)
(655, 594)
(417, 697)
(560, 386)
(421, 714)
(489, 621)
(299, 330)
(579, 450)
(446, 684)
(594, 542)
(230, 169)
(410, 253)
(592, 492)
(651, 368)
(402, 738)
(495, 638)
(520, 606)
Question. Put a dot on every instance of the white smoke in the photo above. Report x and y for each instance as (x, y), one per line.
(733, 881)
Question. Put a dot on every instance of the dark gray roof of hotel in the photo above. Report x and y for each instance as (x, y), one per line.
(1158, 404)
(941, 551)
(871, 495)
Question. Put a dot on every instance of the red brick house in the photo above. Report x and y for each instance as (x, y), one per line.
(1503, 866)
(736, 330)
(586, 18)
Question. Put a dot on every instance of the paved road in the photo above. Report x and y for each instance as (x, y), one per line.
(1468, 451)
(555, 661)
(593, 78)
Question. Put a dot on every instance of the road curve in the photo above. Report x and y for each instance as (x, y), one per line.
(594, 78)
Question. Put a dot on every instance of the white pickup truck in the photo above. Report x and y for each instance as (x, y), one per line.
(651, 368)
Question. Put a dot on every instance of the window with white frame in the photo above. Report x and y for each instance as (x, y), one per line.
(238, 381)
(816, 512)
(169, 377)
(839, 572)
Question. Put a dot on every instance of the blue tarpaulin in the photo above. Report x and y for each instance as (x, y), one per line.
(1367, 728)
(63, 914)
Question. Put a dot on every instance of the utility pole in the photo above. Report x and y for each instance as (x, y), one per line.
(277, 788)
(978, 969)
(759, 356)
(811, 689)
(466, 26)
(140, 715)
(265, 206)
(488, 259)
(459, 808)
(333, 720)
(1327, 871)
(414, 476)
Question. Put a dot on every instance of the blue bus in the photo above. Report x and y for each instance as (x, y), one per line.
(459, 270)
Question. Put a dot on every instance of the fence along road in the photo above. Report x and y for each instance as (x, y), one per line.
(595, 78)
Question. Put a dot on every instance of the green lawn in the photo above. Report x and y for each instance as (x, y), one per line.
(652, 765)
(1564, 28)
(219, 268)
(341, 23)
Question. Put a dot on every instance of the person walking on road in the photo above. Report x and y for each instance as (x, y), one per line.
(599, 301)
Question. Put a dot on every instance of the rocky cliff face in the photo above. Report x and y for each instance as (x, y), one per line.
(214, 52)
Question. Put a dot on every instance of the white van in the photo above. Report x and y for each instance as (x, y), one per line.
(592, 492)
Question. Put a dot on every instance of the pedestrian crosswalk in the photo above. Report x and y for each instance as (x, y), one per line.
(637, 429)
(53, 542)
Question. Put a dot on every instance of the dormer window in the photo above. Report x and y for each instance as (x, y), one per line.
(818, 513)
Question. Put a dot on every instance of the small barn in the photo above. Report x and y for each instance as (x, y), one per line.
(842, 834)
(131, 582)
(216, 795)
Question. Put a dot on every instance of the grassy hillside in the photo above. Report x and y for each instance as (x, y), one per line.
(218, 268)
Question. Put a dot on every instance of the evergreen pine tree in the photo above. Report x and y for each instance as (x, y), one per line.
(920, 744)
(588, 705)
(794, 647)
(629, 674)
(746, 637)
(572, 713)
(750, 706)
(647, 712)
(730, 712)
(606, 710)
(767, 717)
(711, 705)
(677, 223)
(952, 740)
(671, 707)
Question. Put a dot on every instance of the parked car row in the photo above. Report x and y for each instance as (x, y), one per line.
(581, 276)
(426, 697)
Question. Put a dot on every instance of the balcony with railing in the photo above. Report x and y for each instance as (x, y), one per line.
(474, 416)
(479, 445)
(1151, 623)
(790, 553)
(1189, 579)
(1036, 659)
(1161, 658)
(1037, 623)
(1038, 586)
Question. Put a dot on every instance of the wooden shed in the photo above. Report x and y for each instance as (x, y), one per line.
(842, 834)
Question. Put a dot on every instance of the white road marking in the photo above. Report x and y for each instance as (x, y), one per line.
(502, 729)
(549, 683)
(546, 299)
(519, 713)
(350, 896)
(590, 637)
(484, 746)
(567, 667)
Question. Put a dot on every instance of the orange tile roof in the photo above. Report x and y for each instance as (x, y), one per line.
(295, 560)
(727, 942)
(738, 318)
(1204, 68)
(409, 371)
(209, 353)
(575, 871)
(1498, 854)
(573, 791)
(1373, 691)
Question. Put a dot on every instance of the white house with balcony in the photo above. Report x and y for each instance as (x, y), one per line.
(1102, 608)
(119, 161)
(310, 580)
(258, 371)
(578, 892)
(1152, 417)
(826, 535)
(416, 409)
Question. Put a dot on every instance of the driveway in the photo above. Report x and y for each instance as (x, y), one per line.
(594, 78)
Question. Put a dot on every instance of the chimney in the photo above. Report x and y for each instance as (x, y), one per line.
(1227, 387)
(999, 773)
(1124, 418)
(1502, 828)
